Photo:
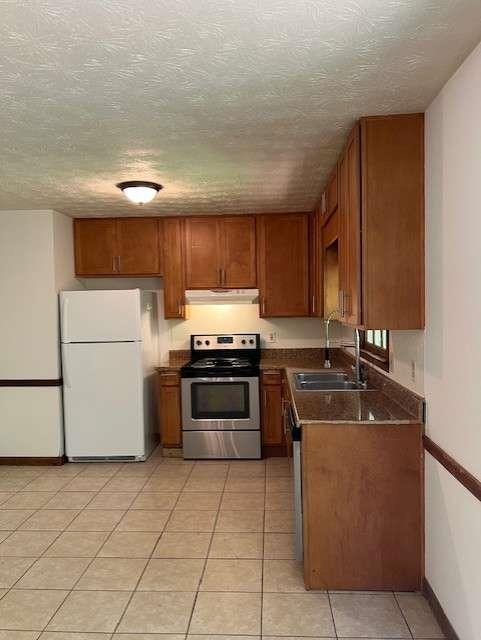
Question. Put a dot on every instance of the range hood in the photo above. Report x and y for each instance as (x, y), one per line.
(222, 296)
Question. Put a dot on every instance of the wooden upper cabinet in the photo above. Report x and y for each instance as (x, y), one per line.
(239, 252)
(381, 224)
(173, 261)
(202, 253)
(117, 247)
(331, 193)
(220, 252)
(315, 264)
(392, 153)
(283, 265)
(95, 246)
(138, 246)
(350, 231)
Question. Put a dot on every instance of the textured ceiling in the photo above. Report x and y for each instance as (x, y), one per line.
(233, 105)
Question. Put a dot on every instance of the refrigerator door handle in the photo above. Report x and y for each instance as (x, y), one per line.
(64, 324)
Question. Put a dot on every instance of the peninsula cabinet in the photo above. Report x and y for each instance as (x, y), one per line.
(283, 265)
(117, 247)
(362, 493)
(220, 252)
(173, 259)
(381, 220)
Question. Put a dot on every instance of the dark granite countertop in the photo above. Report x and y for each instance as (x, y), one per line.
(346, 407)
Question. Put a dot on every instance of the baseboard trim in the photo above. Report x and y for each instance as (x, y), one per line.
(443, 620)
(33, 461)
(274, 451)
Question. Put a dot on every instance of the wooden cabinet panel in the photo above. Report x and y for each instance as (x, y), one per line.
(283, 265)
(138, 246)
(203, 253)
(239, 252)
(315, 264)
(332, 192)
(174, 289)
(170, 409)
(95, 247)
(393, 221)
(271, 409)
(371, 478)
(350, 231)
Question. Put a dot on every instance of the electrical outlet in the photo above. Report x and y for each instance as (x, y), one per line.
(271, 337)
(413, 370)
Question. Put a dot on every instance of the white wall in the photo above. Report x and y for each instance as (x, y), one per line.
(406, 357)
(36, 260)
(234, 318)
(453, 342)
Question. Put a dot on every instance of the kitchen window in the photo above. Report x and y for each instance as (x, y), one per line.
(375, 347)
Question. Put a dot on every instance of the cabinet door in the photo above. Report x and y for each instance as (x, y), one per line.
(169, 410)
(95, 247)
(315, 264)
(174, 290)
(350, 231)
(202, 252)
(239, 252)
(138, 246)
(271, 410)
(283, 265)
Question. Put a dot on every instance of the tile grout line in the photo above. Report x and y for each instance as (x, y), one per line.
(402, 613)
(189, 623)
(134, 591)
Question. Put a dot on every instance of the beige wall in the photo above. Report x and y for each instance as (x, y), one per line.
(36, 259)
(453, 342)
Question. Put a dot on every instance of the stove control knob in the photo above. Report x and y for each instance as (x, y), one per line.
(207, 342)
(198, 342)
(251, 341)
(243, 341)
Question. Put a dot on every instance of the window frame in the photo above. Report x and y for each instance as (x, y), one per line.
(378, 356)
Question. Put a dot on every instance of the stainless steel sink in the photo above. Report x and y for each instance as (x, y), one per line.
(325, 381)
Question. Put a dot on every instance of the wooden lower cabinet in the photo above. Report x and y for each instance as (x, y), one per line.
(272, 422)
(170, 409)
(362, 489)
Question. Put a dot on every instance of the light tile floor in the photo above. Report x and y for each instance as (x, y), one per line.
(166, 549)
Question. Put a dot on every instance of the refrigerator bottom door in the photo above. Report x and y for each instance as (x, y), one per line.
(103, 406)
(221, 444)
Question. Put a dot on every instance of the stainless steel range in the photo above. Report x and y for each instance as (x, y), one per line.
(220, 397)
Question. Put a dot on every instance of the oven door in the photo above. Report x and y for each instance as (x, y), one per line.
(220, 404)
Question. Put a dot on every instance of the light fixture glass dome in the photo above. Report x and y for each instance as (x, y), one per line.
(139, 191)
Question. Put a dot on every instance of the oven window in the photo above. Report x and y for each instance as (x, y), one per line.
(219, 400)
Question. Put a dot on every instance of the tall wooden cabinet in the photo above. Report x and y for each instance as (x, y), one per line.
(174, 287)
(117, 246)
(381, 224)
(283, 265)
(220, 252)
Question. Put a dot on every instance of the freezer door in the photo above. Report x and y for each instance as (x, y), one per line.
(103, 406)
(100, 316)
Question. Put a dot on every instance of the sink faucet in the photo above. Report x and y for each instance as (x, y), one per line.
(358, 366)
(327, 361)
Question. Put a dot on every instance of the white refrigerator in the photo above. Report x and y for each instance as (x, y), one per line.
(109, 354)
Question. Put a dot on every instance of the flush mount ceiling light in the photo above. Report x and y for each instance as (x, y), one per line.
(139, 191)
